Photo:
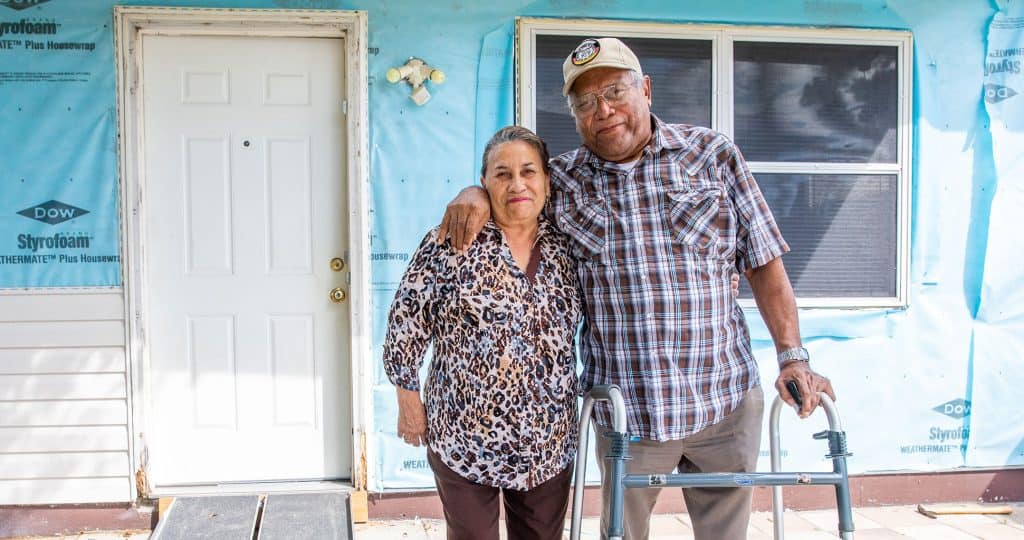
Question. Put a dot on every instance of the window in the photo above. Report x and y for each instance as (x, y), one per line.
(822, 117)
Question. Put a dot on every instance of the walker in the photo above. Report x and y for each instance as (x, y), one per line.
(618, 453)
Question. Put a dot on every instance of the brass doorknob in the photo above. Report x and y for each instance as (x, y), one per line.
(337, 264)
(338, 295)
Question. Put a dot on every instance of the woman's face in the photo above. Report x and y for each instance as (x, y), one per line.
(516, 183)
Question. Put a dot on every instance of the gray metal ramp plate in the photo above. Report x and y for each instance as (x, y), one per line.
(209, 518)
(309, 516)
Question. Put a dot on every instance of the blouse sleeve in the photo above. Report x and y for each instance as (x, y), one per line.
(409, 331)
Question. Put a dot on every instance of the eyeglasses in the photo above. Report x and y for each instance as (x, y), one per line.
(612, 94)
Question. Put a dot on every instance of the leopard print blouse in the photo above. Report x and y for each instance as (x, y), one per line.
(501, 388)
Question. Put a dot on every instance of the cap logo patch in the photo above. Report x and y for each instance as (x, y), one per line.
(585, 52)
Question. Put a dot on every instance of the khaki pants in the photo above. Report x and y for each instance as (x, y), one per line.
(729, 446)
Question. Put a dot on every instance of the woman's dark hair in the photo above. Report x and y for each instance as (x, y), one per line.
(516, 133)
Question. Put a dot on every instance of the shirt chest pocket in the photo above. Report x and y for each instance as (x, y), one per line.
(585, 220)
(694, 217)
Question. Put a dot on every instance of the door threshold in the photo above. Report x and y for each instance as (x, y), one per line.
(235, 488)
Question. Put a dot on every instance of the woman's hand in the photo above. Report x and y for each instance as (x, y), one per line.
(412, 417)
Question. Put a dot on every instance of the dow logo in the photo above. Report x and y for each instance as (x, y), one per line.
(21, 4)
(53, 212)
(995, 93)
(957, 408)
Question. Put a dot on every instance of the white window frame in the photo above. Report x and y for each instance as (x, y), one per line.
(722, 38)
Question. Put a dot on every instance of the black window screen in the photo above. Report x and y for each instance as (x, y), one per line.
(841, 230)
(815, 102)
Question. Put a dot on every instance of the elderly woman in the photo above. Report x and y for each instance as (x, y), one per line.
(500, 397)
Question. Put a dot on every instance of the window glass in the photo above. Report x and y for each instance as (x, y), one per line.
(680, 72)
(816, 102)
(840, 229)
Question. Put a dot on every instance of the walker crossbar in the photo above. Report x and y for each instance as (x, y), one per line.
(618, 454)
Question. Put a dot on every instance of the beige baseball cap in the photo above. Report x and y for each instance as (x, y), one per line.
(594, 53)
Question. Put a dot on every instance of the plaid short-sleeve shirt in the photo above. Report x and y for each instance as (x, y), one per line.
(657, 242)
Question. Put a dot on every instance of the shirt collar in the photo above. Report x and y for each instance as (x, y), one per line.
(671, 137)
(663, 137)
(666, 136)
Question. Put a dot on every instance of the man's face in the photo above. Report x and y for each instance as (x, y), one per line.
(614, 131)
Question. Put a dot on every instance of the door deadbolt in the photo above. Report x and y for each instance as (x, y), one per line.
(337, 264)
(338, 295)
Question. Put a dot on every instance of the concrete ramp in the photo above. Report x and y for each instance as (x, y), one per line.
(276, 516)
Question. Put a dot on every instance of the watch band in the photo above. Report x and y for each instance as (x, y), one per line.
(795, 353)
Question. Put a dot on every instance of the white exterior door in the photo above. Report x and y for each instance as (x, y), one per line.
(244, 210)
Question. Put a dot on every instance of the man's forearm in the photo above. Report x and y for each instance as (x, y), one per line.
(777, 303)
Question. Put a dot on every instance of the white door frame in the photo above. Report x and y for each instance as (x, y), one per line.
(131, 24)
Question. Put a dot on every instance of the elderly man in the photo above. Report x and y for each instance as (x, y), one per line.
(660, 216)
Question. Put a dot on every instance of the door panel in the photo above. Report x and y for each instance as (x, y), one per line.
(245, 206)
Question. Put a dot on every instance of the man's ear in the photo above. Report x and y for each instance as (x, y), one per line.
(647, 88)
(483, 182)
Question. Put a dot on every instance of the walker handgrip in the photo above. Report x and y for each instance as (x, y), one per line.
(794, 391)
(602, 392)
(612, 394)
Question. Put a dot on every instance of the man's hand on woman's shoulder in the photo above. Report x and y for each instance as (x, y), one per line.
(465, 217)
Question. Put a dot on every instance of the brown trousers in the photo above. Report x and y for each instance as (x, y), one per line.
(471, 509)
(728, 446)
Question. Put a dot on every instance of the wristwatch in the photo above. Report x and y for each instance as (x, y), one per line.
(796, 353)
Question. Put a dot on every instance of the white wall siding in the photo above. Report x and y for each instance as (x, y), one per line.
(61, 333)
(76, 360)
(65, 490)
(55, 413)
(64, 465)
(63, 398)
